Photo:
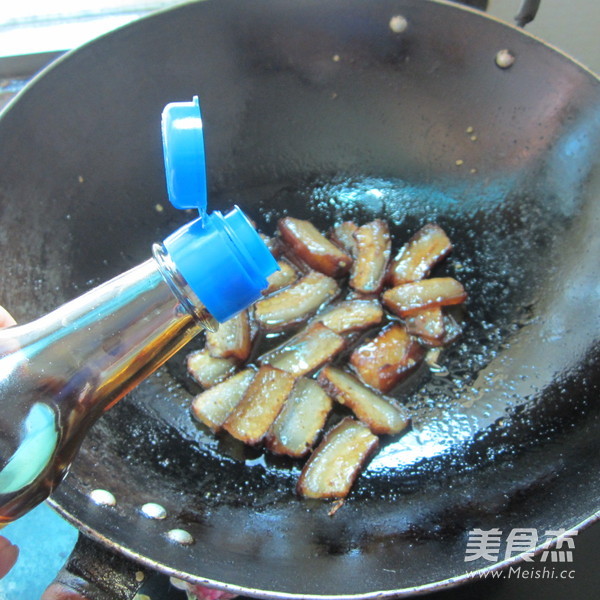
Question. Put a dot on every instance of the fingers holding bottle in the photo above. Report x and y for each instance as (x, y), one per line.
(8, 551)
(8, 556)
(6, 319)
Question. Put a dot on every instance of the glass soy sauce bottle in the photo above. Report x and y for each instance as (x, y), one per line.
(60, 373)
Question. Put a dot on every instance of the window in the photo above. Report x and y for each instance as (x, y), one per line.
(37, 26)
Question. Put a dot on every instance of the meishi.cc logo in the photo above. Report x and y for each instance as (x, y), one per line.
(487, 544)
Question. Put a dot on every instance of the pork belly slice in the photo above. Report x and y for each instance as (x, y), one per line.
(352, 315)
(336, 463)
(373, 248)
(301, 420)
(409, 298)
(286, 275)
(272, 243)
(313, 248)
(208, 370)
(381, 415)
(306, 351)
(233, 339)
(419, 255)
(213, 406)
(342, 235)
(388, 358)
(452, 329)
(428, 325)
(250, 420)
(296, 303)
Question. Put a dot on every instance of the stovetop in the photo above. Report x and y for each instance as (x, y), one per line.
(570, 26)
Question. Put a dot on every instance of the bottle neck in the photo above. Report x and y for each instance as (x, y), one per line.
(181, 290)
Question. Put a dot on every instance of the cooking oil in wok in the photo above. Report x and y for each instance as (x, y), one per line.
(509, 239)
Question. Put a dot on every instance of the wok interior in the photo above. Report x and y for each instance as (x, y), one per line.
(508, 439)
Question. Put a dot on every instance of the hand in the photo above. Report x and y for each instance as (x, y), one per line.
(8, 556)
(6, 319)
(8, 551)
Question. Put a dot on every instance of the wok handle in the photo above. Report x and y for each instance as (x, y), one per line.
(93, 572)
(527, 12)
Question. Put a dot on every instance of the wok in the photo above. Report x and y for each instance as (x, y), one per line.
(319, 110)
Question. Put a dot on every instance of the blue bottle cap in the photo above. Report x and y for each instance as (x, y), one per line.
(183, 148)
(222, 258)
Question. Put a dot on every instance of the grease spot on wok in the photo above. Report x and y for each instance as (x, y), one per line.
(103, 497)
(398, 24)
(180, 536)
(152, 510)
(505, 59)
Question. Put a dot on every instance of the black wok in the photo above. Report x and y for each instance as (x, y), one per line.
(320, 110)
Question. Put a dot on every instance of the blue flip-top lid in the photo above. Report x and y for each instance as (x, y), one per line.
(222, 258)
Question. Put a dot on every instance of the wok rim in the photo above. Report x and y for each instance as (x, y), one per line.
(435, 586)
(156, 14)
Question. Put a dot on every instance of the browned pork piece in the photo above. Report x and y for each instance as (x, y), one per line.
(381, 415)
(452, 329)
(282, 278)
(428, 325)
(306, 351)
(313, 248)
(342, 235)
(352, 315)
(302, 418)
(423, 251)
(208, 370)
(273, 244)
(433, 327)
(337, 461)
(288, 395)
(213, 406)
(296, 303)
(232, 339)
(388, 358)
(250, 420)
(373, 248)
(409, 298)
